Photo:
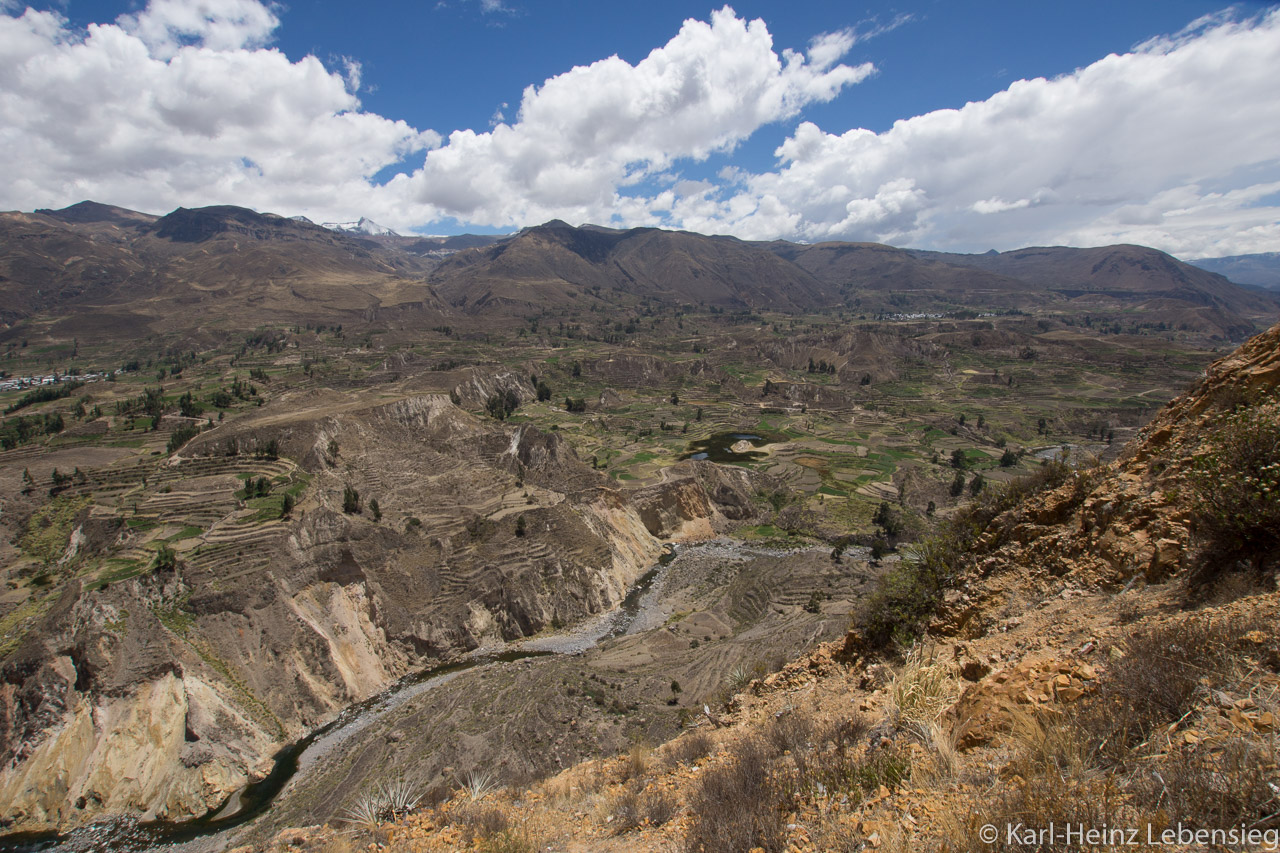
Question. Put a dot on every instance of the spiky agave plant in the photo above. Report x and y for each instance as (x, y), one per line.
(386, 802)
(738, 678)
(478, 785)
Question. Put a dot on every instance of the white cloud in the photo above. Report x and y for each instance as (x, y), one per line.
(167, 25)
(997, 205)
(583, 134)
(179, 104)
(1077, 158)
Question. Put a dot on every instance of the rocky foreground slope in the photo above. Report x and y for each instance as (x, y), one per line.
(1098, 650)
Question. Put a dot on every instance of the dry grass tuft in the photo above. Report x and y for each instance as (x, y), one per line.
(636, 762)
(924, 688)
(943, 764)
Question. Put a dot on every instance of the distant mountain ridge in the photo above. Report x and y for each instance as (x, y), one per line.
(1260, 270)
(361, 226)
(93, 269)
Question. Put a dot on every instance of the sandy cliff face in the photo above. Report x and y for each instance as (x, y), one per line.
(164, 694)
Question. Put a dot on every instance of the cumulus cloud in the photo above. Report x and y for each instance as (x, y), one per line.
(181, 104)
(582, 135)
(167, 25)
(1172, 145)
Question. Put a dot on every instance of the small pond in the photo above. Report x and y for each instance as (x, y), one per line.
(719, 447)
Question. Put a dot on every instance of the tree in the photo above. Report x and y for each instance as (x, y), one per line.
(153, 405)
(957, 485)
(166, 559)
(181, 436)
(887, 520)
(188, 406)
(675, 398)
(376, 509)
(931, 509)
(502, 403)
(1008, 459)
(286, 505)
(520, 525)
(544, 391)
(976, 485)
(350, 500)
(959, 460)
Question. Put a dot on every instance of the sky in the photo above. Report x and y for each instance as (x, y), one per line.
(956, 125)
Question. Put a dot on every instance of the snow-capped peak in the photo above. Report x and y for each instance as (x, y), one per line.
(364, 226)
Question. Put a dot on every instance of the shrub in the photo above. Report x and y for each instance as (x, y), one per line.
(1223, 787)
(636, 806)
(1042, 801)
(508, 841)
(738, 806)
(1163, 670)
(793, 732)
(482, 822)
(906, 596)
(688, 749)
(1236, 484)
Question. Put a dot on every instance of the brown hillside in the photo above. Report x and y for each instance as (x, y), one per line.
(1126, 273)
(554, 264)
(918, 284)
(219, 266)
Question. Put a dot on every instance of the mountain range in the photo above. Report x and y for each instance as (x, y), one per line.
(1260, 270)
(362, 226)
(96, 270)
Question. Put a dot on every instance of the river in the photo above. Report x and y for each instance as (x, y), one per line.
(208, 833)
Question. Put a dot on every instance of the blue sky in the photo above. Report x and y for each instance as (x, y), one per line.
(746, 120)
